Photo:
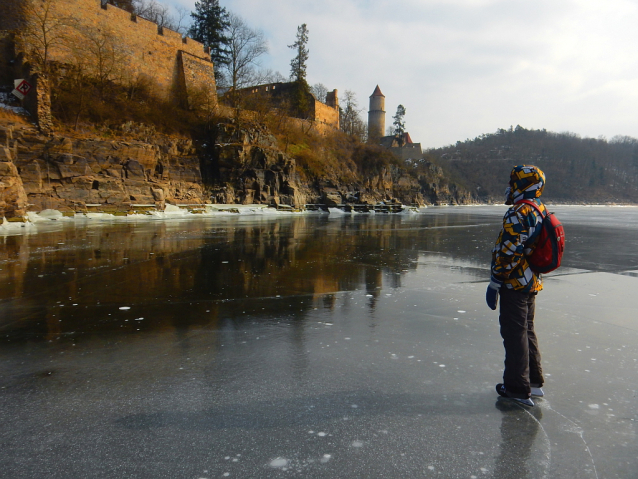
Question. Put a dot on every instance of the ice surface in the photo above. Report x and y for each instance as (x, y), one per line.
(357, 346)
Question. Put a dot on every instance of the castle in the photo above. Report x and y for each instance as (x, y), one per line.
(321, 113)
(177, 66)
(403, 146)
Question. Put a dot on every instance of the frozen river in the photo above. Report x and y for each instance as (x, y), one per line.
(352, 346)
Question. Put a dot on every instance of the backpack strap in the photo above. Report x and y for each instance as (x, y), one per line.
(536, 207)
(533, 203)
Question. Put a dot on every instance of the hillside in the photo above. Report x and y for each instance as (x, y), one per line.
(578, 170)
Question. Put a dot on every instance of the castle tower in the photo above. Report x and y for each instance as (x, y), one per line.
(376, 116)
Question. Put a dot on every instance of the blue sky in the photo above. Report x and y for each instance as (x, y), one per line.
(466, 67)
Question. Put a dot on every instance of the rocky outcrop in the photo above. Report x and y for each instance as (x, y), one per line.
(13, 198)
(234, 166)
(70, 173)
(244, 165)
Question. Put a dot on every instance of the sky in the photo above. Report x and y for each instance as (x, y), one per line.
(462, 68)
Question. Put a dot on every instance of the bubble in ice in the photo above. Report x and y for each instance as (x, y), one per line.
(125, 307)
(322, 434)
(279, 462)
(325, 458)
(594, 406)
(357, 444)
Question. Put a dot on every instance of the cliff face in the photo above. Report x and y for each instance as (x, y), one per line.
(68, 173)
(235, 166)
(245, 166)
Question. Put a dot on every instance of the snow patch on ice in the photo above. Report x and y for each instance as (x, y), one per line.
(337, 212)
(279, 462)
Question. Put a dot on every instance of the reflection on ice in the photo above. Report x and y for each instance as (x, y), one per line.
(353, 346)
(149, 212)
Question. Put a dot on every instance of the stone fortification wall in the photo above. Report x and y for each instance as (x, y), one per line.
(326, 114)
(143, 50)
(321, 113)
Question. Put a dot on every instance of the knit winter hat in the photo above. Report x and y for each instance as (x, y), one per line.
(526, 182)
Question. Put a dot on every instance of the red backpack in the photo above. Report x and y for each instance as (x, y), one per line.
(548, 252)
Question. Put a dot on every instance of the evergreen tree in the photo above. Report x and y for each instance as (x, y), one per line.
(298, 64)
(300, 88)
(210, 22)
(399, 124)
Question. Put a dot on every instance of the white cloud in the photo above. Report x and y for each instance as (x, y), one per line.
(466, 67)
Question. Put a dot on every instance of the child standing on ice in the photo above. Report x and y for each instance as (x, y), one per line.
(517, 285)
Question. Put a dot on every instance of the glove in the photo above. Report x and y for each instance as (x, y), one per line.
(491, 295)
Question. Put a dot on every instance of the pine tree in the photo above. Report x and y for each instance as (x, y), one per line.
(300, 88)
(298, 64)
(210, 22)
(399, 124)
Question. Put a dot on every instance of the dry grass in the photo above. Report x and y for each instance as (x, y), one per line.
(9, 116)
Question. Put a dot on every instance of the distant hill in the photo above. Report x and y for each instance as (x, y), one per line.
(578, 170)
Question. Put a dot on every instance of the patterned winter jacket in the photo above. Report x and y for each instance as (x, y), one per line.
(521, 228)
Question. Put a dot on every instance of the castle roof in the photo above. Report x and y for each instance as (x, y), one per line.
(392, 141)
(377, 92)
(406, 138)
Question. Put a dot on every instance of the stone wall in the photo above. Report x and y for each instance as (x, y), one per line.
(144, 50)
(326, 114)
(321, 113)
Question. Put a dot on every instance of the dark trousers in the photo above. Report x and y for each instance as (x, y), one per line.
(522, 356)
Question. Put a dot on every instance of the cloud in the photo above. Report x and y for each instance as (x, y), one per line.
(466, 67)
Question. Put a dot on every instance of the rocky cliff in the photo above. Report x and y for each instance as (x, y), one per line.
(142, 167)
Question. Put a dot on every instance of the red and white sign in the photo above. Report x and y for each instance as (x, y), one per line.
(22, 88)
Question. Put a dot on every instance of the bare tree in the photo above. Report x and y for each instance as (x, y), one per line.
(269, 76)
(43, 31)
(320, 91)
(246, 46)
(181, 21)
(350, 121)
(99, 56)
(161, 14)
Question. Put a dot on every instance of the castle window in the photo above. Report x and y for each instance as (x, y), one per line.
(266, 88)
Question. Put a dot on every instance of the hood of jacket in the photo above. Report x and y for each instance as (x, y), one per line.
(526, 183)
